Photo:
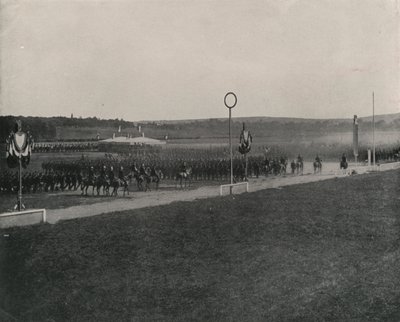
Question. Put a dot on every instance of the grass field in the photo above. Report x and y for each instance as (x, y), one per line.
(311, 252)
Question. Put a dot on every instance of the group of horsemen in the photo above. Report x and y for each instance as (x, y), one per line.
(106, 178)
(59, 175)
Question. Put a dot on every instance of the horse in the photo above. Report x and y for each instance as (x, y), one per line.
(299, 167)
(343, 165)
(116, 183)
(154, 175)
(185, 176)
(96, 182)
(267, 168)
(276, 167)
(293, 167)
(283, 166)
(317, 166)
(86, 183)
(140, 180)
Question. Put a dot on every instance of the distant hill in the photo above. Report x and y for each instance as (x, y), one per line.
(264, 129)
(387, 118)
(254, 119)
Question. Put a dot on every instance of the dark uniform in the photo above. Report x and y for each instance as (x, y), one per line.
(121, 175)
(111, 174)
(344, 159)
(91, 173)
(103, 172)
(299, 159)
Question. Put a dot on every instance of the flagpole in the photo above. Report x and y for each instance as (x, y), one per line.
(373, 129)
(230, 107)
(20, 185)
(230, 147)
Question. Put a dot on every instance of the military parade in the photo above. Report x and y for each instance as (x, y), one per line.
(205, 165)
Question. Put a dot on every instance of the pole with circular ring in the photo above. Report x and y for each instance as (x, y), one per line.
(230, 107)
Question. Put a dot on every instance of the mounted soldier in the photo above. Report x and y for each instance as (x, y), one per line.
(134, 167)
(293, 166)
(183, 169)
(121, 176)
(317, 164)
(111, 174)
(299, 164)
(91, 173)
(299, 158)
(142, 170)
(103, 172)
(343, 162)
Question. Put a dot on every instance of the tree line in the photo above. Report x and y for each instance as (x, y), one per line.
(45, 128)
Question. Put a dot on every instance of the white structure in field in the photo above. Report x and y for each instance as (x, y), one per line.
(140, 140)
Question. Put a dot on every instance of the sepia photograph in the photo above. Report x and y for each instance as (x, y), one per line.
(200, 160)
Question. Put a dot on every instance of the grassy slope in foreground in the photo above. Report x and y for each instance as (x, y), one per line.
(320, 251)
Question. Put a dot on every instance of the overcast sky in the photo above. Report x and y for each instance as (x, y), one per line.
(141, 60)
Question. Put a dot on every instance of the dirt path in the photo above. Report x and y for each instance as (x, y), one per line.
(165, 196)
(162, 197)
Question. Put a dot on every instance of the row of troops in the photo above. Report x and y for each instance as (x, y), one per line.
(382, 154)
(39, 181)
(65, 147)
(69, 174)
(203, 169)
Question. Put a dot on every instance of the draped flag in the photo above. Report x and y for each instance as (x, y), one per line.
(355, 136)
(245, 141)
(19, 145)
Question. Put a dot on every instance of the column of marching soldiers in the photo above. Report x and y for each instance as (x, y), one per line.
(204, 165)
(65, 147)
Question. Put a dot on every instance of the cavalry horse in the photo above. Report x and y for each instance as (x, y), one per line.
(184, 176)
(343, 164)
(142, 180)
(155, 176)
(299, 167)
(283, 166)
(117, 183)
(97, 182)
(276, 167)
(317, 166)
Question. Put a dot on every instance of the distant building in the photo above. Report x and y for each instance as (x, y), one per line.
(129, 144)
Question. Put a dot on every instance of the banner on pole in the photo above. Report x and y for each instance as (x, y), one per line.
(355, 136)
(19, 145)
(245, 141)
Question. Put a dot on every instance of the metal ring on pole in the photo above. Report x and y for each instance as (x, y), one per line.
(232, 106)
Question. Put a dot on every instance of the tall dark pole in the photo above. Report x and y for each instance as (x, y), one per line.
(246, 164)
(355, 139)
(20, 185)
(230, 107)
(373, 128)
(230, 145)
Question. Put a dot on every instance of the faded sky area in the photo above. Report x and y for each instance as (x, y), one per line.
(157, 59)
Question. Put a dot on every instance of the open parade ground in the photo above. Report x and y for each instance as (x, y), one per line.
(199, 160)
(326, 250)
